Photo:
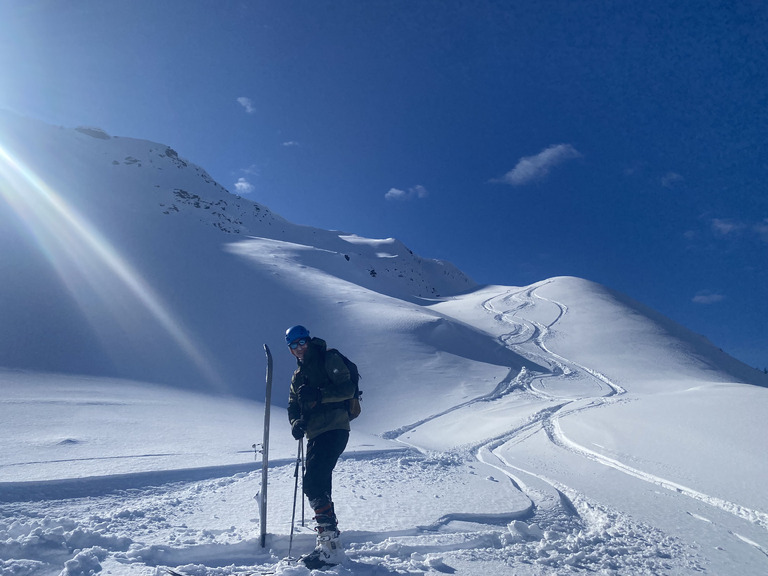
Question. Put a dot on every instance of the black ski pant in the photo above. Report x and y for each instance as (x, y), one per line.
(323, 452)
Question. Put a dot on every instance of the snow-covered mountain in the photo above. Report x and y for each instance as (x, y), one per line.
(545, 429)
(140, 265)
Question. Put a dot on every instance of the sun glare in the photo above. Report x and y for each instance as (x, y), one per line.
(81, 254)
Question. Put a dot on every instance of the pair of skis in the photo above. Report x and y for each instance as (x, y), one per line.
(265, 453)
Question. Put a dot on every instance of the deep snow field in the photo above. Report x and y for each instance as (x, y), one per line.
(566, 471)
(557, 428)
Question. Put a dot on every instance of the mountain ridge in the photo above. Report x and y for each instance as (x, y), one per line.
(130, 261)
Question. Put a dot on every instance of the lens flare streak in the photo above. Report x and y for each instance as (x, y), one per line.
(66, 237)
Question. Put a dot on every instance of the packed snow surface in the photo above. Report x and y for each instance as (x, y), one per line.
(556, 428)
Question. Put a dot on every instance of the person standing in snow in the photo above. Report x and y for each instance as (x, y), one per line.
(317, 408)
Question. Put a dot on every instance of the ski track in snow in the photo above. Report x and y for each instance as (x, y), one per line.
(139, 525)
(552, 507)
(549, 419)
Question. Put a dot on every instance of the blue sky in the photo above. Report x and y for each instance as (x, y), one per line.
(622, 142)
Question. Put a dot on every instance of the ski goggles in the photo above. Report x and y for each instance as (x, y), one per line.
(296, 343)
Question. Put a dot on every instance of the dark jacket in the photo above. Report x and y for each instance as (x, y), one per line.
(330, 374)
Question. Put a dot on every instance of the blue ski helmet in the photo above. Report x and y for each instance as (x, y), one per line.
(296, 332)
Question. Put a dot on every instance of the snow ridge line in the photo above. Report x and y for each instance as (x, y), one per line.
(754, 516)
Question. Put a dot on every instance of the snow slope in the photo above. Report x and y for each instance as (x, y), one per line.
(126, 246)
(549, 429)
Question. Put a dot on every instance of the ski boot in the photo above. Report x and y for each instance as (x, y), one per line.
(329, 551)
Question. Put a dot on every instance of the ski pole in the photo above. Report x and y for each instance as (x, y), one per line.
(301, 451)
(295, 491)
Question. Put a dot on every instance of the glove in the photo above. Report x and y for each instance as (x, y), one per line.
(298, 429)
(309, 396)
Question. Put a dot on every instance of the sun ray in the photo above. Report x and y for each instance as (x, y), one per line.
(80, 253)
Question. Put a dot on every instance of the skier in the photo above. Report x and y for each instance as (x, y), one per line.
(317, 408)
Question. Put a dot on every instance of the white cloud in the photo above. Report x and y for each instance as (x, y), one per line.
(725, 226)
(670, 179)
(243, 187)
(290, 143)
(417, 191)
(708, 297)
(246, 103)
(735, 228)
(532, 168)
(761, 229)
